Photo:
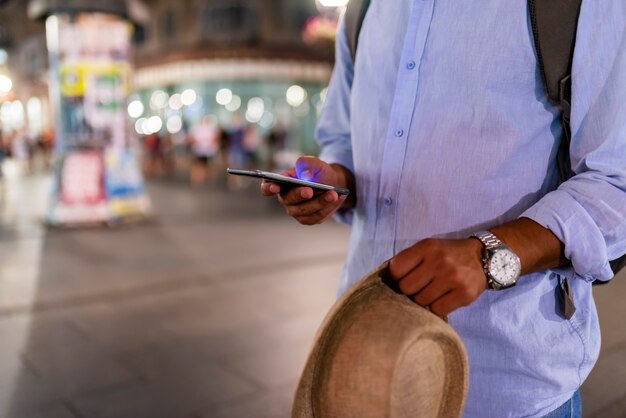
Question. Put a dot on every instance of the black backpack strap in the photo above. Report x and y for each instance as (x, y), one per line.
(554, 25)
(355, 14)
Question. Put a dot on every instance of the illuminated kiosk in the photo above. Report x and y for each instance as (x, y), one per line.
(97, 177)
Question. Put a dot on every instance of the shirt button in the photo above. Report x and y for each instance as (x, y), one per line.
(388, 201)
(410, 65)
(399, 133)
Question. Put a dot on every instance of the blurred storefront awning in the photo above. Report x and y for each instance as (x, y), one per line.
(172, 73)
(40, 9)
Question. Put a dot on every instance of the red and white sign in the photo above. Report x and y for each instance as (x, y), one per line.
(82, 179)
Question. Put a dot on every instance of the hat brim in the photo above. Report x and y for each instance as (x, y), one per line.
(377, 354)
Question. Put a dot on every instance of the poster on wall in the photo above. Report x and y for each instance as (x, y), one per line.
(91, 76)
(124, 184)
(81, 192)
(93, 98)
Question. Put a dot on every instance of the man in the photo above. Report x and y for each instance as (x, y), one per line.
(442, 129)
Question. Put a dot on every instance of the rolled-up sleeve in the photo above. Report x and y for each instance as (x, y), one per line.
(588, 211)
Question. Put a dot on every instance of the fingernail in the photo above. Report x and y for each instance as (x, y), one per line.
(274, 188)
(329, 198)
(304, 194)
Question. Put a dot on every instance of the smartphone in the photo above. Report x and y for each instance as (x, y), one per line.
(288, 181)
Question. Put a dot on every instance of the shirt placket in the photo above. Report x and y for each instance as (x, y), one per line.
(399, 129)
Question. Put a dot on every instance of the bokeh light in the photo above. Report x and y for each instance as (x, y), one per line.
(135, 109)
(189, 97)
(158, 100)
(296, 95)
(224, 96)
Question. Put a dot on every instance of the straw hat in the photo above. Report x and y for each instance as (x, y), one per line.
(378, 354)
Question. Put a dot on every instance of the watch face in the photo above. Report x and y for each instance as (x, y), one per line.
(504, 267)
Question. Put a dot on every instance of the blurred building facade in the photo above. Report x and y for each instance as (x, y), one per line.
(23, 59)
(238, 58)
(252, 52)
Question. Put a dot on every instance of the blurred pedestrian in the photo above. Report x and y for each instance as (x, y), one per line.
(20, 150)
(47, 145)
(224, 146)
(180, 151)
(236, 132)
(204, 143)
(276, 142)
(2, 152)
(153, 160)
(251, 145)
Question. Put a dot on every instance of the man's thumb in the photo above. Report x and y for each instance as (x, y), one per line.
(308, 168)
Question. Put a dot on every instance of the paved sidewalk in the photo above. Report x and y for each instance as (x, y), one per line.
(208, 311)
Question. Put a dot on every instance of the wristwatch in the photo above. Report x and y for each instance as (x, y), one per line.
(500, 264)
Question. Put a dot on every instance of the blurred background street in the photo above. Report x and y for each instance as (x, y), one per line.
(208, 310)
(136, 279)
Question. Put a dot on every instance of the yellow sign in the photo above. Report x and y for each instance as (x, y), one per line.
(77, 78)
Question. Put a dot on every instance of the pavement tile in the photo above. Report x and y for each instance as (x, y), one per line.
(177, 393)
(271, 404)
(273, 367)
(312, 289)
(611, 314)
(246, 244)
(168, 360)
(50, 410)
(278, 292)
(86, 377)
(54, 346)
(67, 362)
(601, 387)
(217, 313)
(616, 409)
(230, 346)
(14, 333)
(296, 330)
(119, 326)
(21, 390)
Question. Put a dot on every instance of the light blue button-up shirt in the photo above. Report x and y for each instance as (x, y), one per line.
(444, 120)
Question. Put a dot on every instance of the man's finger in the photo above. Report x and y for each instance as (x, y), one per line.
(445, 305)
(322, 214)
(296, 195)
(433, 291)
(413, 256)
(269, 189)
(415, 281)
(329, 209)
(405, 261)
(307, 208)
(325, 201)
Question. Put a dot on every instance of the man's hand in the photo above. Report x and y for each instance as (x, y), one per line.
(441, 274)
(302, 203)
(448, 274)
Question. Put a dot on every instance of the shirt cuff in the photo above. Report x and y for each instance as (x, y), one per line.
(585, 246)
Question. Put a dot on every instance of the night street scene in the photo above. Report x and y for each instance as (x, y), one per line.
(138, 279)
